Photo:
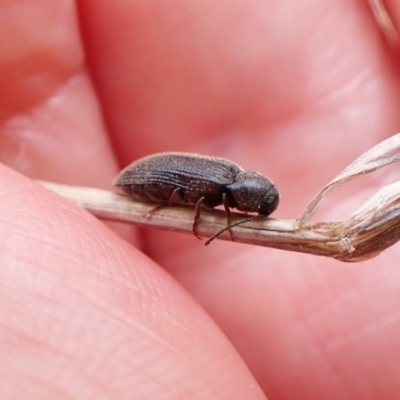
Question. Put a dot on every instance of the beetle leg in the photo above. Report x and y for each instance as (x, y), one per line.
(175, 197)
(197, 211)
(153, 210)
(228, 214)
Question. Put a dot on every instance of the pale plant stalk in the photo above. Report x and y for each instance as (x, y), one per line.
(385, 22)
(364, 234)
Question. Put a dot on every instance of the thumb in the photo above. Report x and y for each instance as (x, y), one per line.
(84, 312)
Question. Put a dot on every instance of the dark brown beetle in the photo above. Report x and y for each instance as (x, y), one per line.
(202, 181)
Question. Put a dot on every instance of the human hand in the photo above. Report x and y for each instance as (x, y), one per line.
(295, 90)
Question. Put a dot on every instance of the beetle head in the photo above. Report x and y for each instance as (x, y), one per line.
(253, 192)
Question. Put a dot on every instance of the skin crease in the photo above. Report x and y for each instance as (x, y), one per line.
(295, 90)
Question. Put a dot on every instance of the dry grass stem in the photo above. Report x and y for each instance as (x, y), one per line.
(363, 235)
(385, 22)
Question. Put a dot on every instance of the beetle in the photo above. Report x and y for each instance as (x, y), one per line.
(202, 181)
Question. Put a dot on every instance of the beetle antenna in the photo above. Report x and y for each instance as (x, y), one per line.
(232, 225)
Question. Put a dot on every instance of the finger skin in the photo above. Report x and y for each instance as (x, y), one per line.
(50, 120)
(85, 315)
(295, 90)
